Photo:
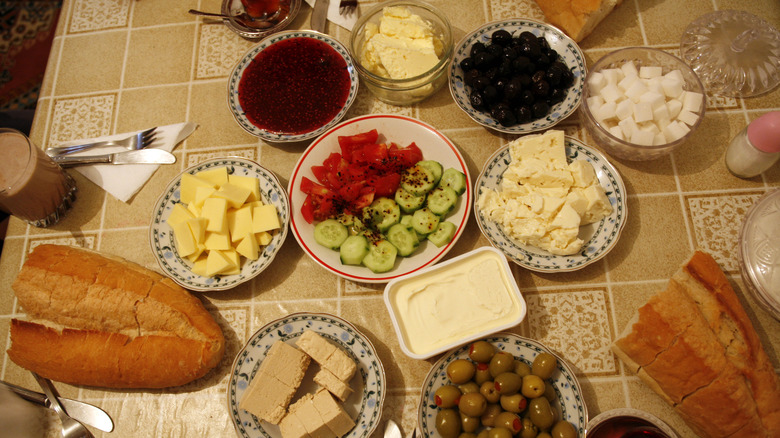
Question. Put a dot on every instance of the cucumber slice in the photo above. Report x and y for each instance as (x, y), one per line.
(408, 201)
(443, 234)
(424, 221)
(435, 168)
(454, 179)
(353, 250)
(382, 214)
(441, 200)
(404, 238)
(330, 233)
(381, 257)
(417, 180)
(406, 219)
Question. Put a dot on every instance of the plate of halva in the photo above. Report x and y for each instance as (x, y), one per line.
(550, 203)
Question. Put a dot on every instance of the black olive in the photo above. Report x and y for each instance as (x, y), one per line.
(470, 75)
(490, 93)
(477, 101)
(553, 76)
(520, 63)
(510, 53)
(526, 36)
(553, 55)
(467, 64)
(545, 46)
(505, 69)
(513, 89)
(557, 95)
(524, 114)
(501, 37)
(500, 84)
(483, 60)
(541, 88)
(537, 76)
(540, 109)
(525, 79)
(477, 47)
(543, 61)
(567, 78)
(506, 117)
(527, 97)
(491, 73)
(495, 50)
(480, 82)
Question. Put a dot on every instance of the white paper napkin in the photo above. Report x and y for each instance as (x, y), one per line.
(124, 181)
(334, 16)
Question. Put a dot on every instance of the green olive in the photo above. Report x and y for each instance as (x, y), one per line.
(481, 351)
(499, 432)
(482, 374)
(514, 403)
(508, 383)
(489, 417)
(483, 433)
(460, 371)
(446, 396)
(529, 429)
(467, 435)
(489, 390)
(542, 435)
(522, 369)
(469, 424)
(544, 365)
(448, 423)
(563, 429)
(468, 387)
(501, 363)
(509, 421)
(540, 412)
(533, 386)
(472, 404)
(549, 393)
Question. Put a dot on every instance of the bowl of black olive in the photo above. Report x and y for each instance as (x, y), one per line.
(517, 76)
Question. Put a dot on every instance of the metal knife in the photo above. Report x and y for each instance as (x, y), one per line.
(143, 156)
(84, 412)
(320, 15)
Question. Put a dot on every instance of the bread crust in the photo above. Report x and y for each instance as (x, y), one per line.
(104, 321)
(577, 18)
(695, 346)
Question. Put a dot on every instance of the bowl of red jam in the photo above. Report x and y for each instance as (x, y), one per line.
(292, 86)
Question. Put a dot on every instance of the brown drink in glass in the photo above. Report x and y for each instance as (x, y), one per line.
(32, 186)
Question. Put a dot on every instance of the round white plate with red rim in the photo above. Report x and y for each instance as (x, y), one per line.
(401, 130)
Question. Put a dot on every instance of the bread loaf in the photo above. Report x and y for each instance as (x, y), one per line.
(577, 18)
(100, 320)
(695, 346)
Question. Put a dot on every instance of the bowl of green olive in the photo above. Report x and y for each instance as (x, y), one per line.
(502, 386)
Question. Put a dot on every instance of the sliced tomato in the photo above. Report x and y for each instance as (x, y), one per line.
(372, 154)
(404, 157)
(306, 210)
(364, 200)
(321, 173)
(385, 185)
(348, 143)
(349, 192)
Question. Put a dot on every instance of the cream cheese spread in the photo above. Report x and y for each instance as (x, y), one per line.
(402, 46)
(445, 306)
(543, 200)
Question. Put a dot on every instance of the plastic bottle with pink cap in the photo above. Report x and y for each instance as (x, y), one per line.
(756, 148)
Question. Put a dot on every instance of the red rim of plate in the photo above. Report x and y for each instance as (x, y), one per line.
(395, 273)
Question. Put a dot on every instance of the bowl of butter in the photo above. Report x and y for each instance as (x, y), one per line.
(401, 50)
(550, 203)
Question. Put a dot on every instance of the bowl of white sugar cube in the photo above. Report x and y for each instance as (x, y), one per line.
(641, 103)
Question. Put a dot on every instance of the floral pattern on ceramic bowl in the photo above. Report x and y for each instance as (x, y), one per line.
(369, 387)
(164, 244)
(599, 237)
(566, 48)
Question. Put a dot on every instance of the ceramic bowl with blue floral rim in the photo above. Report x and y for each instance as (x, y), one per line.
(599, 237)
(364, 405)
(569, 404)
(164, 244)
(233, 96)
(569, 52)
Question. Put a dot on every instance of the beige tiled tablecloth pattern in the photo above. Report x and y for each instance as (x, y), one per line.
(122, 65)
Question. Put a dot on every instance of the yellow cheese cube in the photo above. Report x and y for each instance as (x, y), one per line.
(248, 182)
(254, 204)
(185, 242)
(198, 228)
(240, 223)
(265, 218)
(190, 183)
(234, 270)
(218, 241)
(263, 238)
(216, 176)
(201, 194)
(199, 267)
(233, 256)
(179, 213)
(215, 210)
(235, 195)
(216, 262)
(194, 209)
(198, 252)
(248, 247)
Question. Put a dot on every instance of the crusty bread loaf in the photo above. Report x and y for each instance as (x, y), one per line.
(695, 346)
(577, 18)
(100, 320)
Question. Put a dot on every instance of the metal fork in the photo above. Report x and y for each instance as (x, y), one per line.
(71, 428)
(134, 142)
(347, 7)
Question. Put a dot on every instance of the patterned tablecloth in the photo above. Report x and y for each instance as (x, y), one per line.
(122, 65)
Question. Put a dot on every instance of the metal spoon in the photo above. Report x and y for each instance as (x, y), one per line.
(243, 18)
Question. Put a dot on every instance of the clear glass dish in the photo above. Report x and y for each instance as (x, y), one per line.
(759, 252)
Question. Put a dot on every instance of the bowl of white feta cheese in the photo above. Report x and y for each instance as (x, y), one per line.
(550, 203)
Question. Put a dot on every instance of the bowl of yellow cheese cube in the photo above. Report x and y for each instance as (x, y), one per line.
(219, 223)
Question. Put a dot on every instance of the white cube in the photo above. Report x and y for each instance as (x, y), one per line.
(617, 132)
(613, 75)
(627, 82)
(674, 107)
(596, 81)
(606, 111)
(693, 101)
(629, 69)
(637, 89)
(676, 73)
(595, 101)
(656, 85)
(687, 117)
(672, 86)
(675, 131)
(643, 112)
(628, 126)
(611, 93)
(654, 98)
(661, 113)
(643, 138)
(659, 139)
(624, 109)
(648, 72)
